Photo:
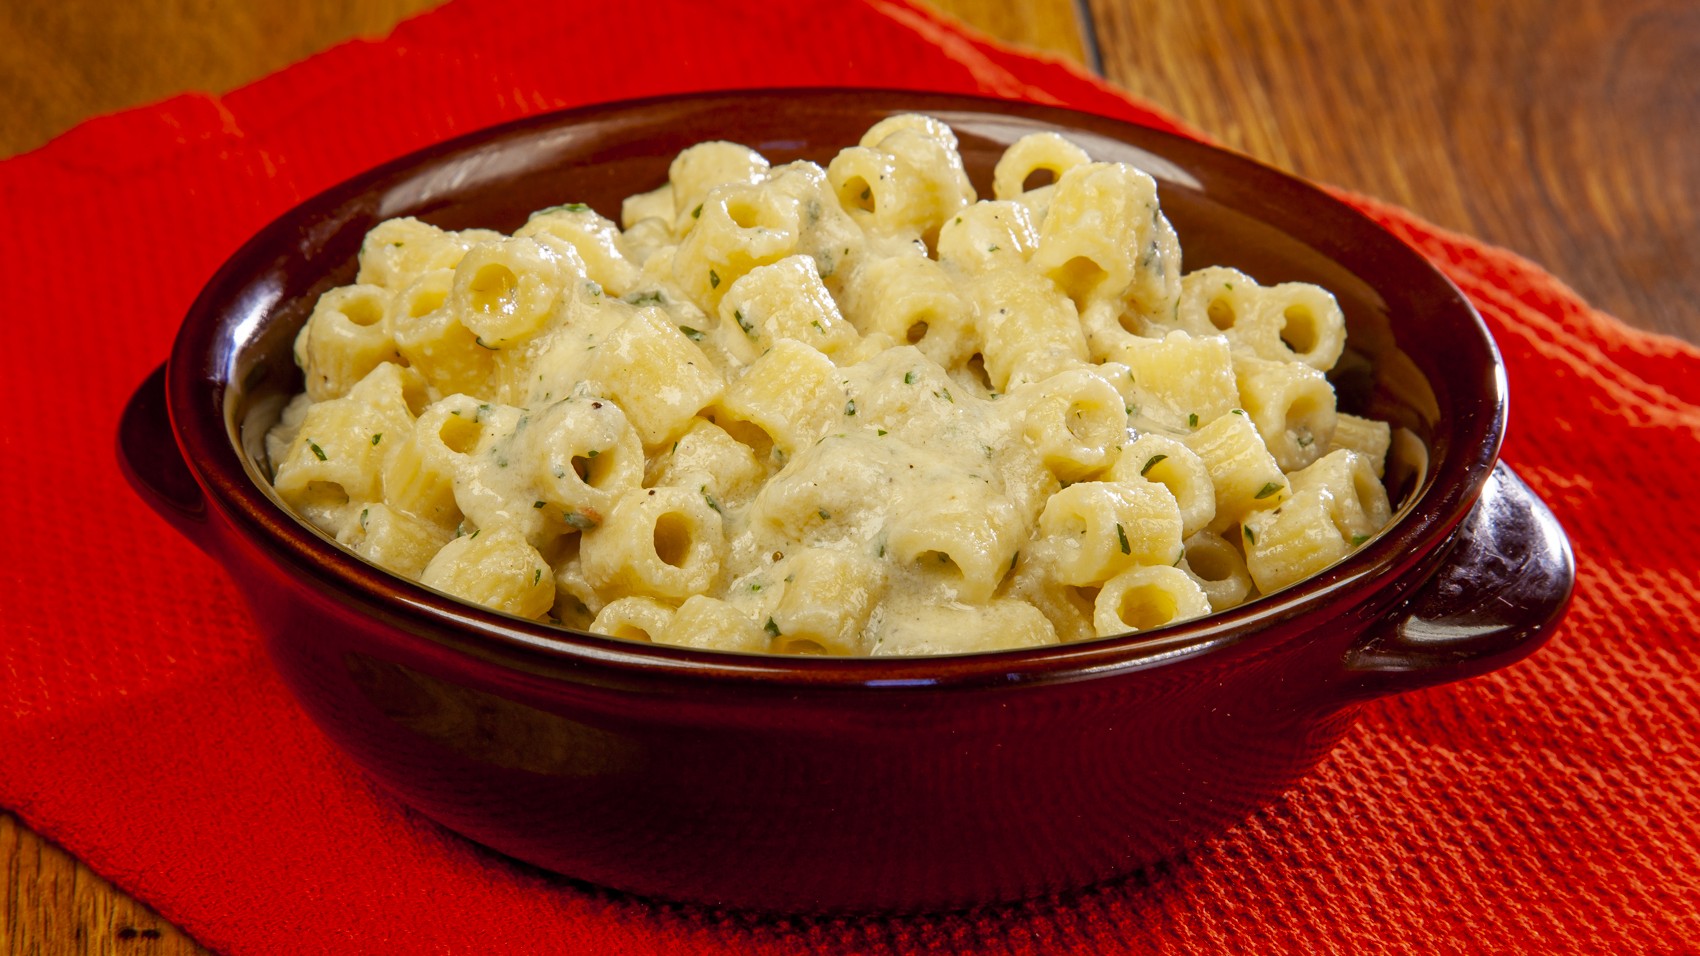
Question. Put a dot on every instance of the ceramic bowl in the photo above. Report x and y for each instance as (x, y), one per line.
(853, 784)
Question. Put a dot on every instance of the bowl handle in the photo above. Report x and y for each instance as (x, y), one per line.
(1499, 590)
(151, 461)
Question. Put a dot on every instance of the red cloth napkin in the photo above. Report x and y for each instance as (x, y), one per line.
(1550, 807)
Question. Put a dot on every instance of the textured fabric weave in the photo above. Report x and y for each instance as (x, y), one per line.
(1550, 807)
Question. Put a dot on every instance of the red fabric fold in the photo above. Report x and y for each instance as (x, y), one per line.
(1548, 807)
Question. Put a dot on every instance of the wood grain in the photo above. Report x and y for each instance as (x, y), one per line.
(61, 62)
(54, 905)
(1052, 26)
(1567, 132)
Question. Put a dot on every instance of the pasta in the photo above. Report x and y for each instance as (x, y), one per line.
(846, 410)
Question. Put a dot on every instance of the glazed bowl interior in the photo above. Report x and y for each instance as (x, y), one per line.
(1418, 356)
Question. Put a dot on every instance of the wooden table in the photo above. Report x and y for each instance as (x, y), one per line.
(1569, 132)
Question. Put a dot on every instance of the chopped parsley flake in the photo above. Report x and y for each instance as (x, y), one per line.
(771, 628)
(580, 520)
(318, 452)
(710, 499)
(944, 393)
(377, 438)
(881, 432)
(697, 212)
(1192, 420)
(483, 344)
(908, 378)
(1239, 411)
(690, 333)
(537, 504)
(850, 407)
(536, 575)
(652, 297)
(1151, 463)
(713, 279)
(363, 513)
(825, 515)
(1358, 539)
(867, 192)
(1266, 491)
(743, 323)
(1249, 535)
(1121, 536)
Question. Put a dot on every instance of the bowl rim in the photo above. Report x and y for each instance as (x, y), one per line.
(200, 380)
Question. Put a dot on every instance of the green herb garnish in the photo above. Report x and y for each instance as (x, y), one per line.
(317, 451)
(713, 279)
(1266, 491)
(771, 628)
(1151, 463)
(1122, 537)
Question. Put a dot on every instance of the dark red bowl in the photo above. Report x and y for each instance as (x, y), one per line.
(785, 783)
